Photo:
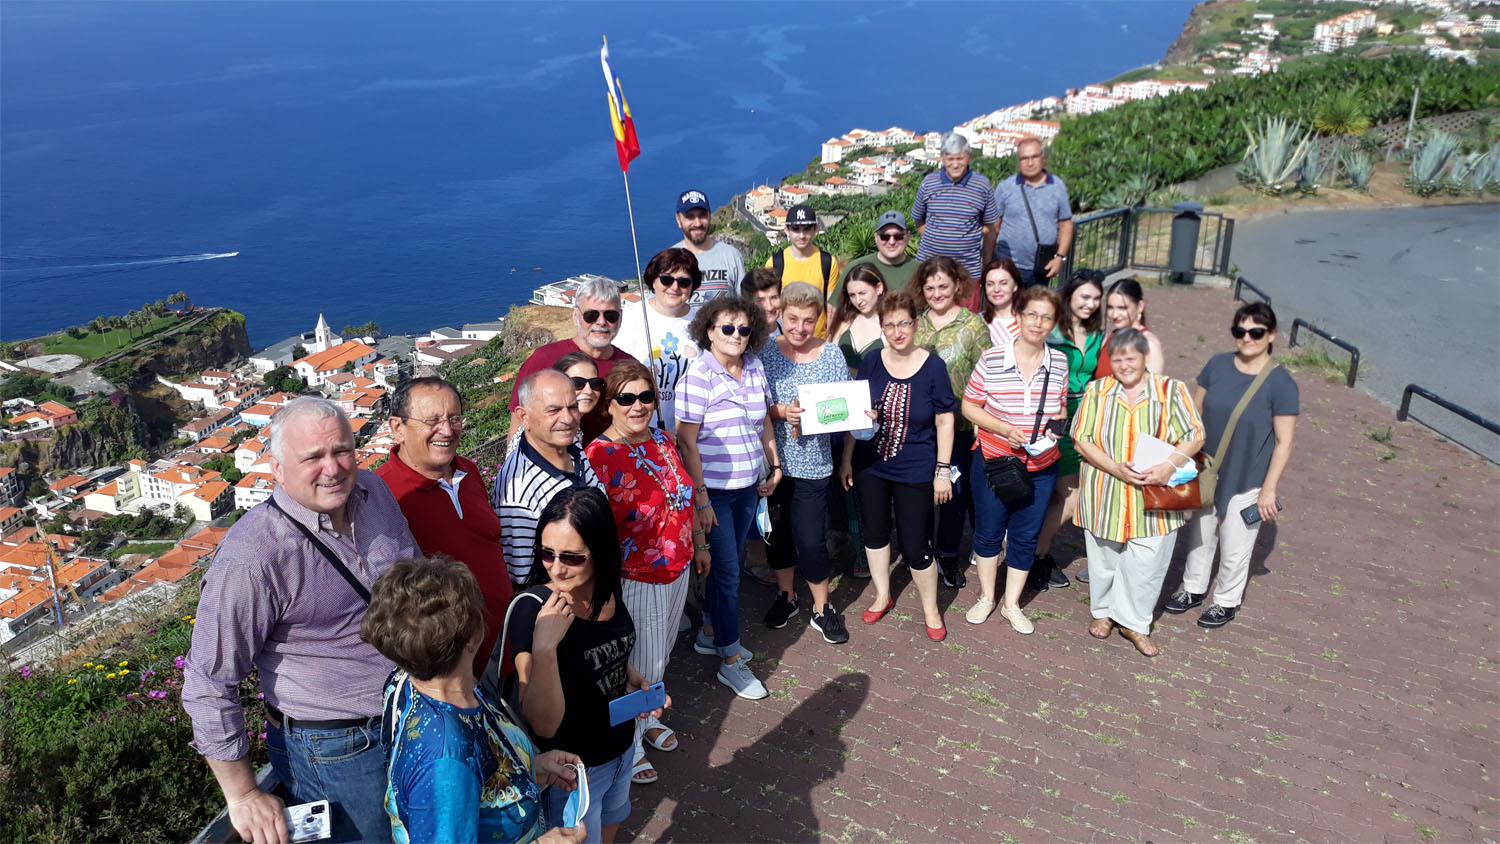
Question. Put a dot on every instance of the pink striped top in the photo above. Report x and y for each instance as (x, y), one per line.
(997, 385)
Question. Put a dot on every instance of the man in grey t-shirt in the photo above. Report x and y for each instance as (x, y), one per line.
(1050, 209)
(721, 264)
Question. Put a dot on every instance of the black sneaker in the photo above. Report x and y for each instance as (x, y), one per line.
(1058, 580)
(1216, 616)
(831, 625)
(781, 612)
(952, 573)
(1039, 579)
(1182, 601)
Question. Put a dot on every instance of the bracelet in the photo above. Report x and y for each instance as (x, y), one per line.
(776, 467)
(704, 547)
(701, 509)
(698, 532)
(943, 465)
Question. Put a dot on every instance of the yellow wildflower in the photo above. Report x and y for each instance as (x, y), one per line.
(88, 665)
(123, 673)
(71, 682)
(124, 662)
(98, 668)
(110, 676)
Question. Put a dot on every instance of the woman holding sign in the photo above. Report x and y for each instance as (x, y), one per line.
(799, 506)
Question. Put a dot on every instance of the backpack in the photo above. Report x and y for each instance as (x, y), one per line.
(778, 263)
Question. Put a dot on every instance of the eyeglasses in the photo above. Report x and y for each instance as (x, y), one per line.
(611, 316)
(892, 326)
(628, 399)
(1033, 316)
(728, 330)
(683, 281)
(892, 235)
(595, 384)
(1239, 332)
(548, 556)
(434, 421)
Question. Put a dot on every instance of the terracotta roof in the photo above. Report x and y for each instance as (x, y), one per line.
(27, 554)
(112, 488)
(25, 602)
(206, 539)
(336, 357)
(251, 479)
(52, 408)
(7, 512)
(262, 409)
(211, 491)
(66, 483)
(5, 470)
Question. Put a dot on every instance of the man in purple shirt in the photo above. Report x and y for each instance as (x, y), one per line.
(285, 595)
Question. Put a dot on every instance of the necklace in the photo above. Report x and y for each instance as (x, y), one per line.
(680, 492)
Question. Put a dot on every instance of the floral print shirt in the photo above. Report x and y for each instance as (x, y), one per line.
(652, 499)
(959, 344)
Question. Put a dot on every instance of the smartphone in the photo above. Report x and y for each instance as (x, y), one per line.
(627, 707)
(308, 821)
(577, 807)
(1251, 514)
(1056, 427)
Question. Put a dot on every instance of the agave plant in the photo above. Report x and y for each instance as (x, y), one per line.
(1372, 140)
(1466, 168)
(1274, 158)
(1314, 169)
(1358, 165)
(1430, 163)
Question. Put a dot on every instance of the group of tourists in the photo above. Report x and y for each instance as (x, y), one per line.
(442, 661)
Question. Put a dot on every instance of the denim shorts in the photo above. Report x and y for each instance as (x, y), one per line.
(609, 796)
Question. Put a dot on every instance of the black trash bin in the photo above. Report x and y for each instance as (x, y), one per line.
(1184, 250)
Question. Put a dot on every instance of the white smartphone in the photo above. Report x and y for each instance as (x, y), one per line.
(308, 821)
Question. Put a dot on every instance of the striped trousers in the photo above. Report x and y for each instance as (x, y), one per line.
(655, 608)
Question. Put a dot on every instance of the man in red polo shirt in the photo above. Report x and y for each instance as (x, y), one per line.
(442, 494)
(596, 319)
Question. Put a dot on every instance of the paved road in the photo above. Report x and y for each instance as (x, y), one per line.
(1416, 289)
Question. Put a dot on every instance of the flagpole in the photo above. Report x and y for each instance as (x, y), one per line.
(640, 278)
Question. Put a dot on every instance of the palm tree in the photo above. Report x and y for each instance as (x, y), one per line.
(1341, 115)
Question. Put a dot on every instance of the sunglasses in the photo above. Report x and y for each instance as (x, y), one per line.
(728, 330)
(1255, 333)
(628, 399)
(611, 316)
(892, 236)
(683, 281)
(595, 384)
(547, 556)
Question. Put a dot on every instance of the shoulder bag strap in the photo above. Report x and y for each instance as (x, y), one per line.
(778, 262)
(1234, 418)
(327, 553)
(827, 264)
(497, 659)
(1041, 404)
(1025, 199)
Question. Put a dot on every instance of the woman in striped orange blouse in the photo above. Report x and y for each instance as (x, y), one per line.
(1130, 547)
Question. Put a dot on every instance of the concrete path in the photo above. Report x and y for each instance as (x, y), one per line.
(1354, 699)
(1416, 289)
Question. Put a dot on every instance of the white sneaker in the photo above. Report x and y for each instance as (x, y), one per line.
(737, 676)
(1018, 620)
(980, 611)
(705, 645)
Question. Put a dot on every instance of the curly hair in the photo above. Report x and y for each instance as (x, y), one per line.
(709, 315)
(963, 286)
(423, 613)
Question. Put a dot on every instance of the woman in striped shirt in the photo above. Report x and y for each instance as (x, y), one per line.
(1130, 547)
(1009, 388)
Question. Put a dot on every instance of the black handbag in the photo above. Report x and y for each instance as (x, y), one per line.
(1045, 252)
(1007, 473)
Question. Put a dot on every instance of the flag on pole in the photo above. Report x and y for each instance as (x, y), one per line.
(626, 145)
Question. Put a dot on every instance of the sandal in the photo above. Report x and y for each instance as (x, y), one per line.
(643, 773)
(1101, 628)
(665, 741)
(1141, 642)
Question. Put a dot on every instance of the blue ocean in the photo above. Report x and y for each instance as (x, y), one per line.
(422, 164)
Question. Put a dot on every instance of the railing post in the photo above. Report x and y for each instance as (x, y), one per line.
(1228, 243)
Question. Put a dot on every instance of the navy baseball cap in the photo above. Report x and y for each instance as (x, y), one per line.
(801, 215)
(691, 199)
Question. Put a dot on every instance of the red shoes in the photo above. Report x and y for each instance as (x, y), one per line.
(872, 616)
(937, 634)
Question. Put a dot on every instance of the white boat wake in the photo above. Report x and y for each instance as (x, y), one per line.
(142, 262)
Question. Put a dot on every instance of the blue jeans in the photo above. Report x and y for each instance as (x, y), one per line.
(345, 767)
(1023, 519)
(735, 510)
(951, 514)
(609, 797)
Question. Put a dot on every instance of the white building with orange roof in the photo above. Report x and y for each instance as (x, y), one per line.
(760, 199)
(10, 486)
(253, 488)
(24, 611)
(48, 414)
(259, 415)
(209, 500)
(10, 517)
(788, 196)
(316, 367)
(252, 455)
(775, 219)
(30, 556)
(169, 484)
(834, 150)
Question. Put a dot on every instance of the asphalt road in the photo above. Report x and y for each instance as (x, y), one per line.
(1417, 290)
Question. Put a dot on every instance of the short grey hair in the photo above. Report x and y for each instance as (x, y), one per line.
(954, 144)
(316, 407)
(527, 391)
(1128, 339)
(602, 289)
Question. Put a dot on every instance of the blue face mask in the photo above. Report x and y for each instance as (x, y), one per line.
(763, 518)
(1183, 474)
(577, 806)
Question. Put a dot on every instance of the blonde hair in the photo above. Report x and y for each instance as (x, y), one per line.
(800, 294)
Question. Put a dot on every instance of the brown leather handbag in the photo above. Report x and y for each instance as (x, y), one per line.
(1188, 496)
(1199, 491)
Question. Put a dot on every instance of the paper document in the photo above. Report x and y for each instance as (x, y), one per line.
(839, 406)
(1149, 451)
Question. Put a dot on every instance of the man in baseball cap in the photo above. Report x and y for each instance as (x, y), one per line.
(721, 264)
(895, 263)
(803, 261)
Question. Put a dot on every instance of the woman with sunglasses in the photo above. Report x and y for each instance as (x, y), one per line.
(652, 501)
(1251, 468)
(572, 635)
(584, 373)
(1001, 281)
(673, 277)
(958, 336)
(726, 436)
(905, 465)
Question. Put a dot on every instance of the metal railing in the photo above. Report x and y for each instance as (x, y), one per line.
(1119, 238)
(1342, 344)
(1241, 282)
(1413, 390)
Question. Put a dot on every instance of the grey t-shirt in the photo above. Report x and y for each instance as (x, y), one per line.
(1049, 205)
(1249, 455)
(722, 268)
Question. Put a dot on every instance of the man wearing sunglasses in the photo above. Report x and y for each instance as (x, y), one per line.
(896, 265)
(720, 263)
(596, 323)
(655, 332)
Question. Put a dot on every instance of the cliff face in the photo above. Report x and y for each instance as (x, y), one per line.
(529, 326)
(94, 441)
(216, 343)
(1182, 49)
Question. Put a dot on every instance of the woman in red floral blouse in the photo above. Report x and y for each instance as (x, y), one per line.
(651, 496)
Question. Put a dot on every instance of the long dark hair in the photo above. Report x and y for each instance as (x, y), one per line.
(844, 311)
(1130, 289)
(587, 511)
(1009, 268)
(1066, 320)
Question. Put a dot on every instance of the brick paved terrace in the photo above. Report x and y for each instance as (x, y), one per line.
(1353, 699)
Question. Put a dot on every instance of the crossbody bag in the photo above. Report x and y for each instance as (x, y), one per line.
(333, 559)
(1045, 252)
(1007, 473)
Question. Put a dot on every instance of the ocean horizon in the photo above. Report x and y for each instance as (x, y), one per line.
(422, 165)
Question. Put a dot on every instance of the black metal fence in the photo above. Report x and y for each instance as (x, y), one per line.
(1241, 284)
(1458, 409)
(1142, 237)
(1342, 344)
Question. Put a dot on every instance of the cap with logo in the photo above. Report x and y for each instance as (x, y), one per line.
(801, 215)
(891, 218)
(691, 199)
